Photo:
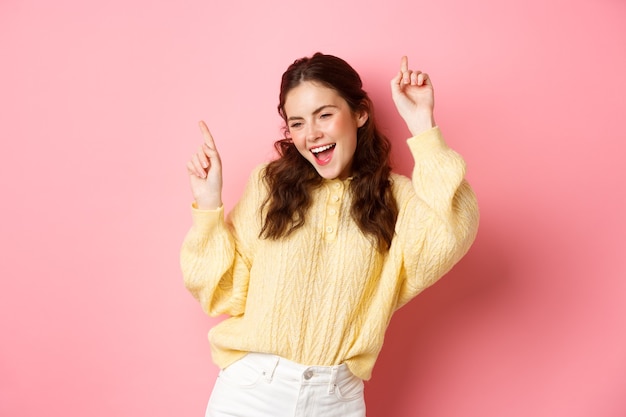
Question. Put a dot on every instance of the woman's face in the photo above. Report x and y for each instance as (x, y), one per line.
(323, 128)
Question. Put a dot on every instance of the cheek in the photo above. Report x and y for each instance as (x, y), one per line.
(299, 141)
(344, 126)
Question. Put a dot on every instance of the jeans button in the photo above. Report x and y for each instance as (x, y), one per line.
(308, 374)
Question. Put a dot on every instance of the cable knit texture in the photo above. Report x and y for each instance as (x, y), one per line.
(325, 295)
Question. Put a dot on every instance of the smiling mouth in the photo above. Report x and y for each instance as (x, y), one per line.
(322, 153)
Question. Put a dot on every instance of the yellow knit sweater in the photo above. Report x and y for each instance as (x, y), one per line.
(324, 295)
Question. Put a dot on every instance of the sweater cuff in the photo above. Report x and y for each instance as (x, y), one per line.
(426, 142)
(206, 220)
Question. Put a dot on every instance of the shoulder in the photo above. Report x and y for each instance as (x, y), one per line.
(258, 174)
(402, 188)
(259, 170)
(255, 186)
(399, 182)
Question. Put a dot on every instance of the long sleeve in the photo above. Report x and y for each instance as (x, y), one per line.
(438, 220)
(216, 257)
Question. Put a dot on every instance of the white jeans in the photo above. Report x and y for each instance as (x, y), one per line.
(262, 385)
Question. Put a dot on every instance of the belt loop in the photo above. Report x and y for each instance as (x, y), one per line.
(333, 379)
(269, 372)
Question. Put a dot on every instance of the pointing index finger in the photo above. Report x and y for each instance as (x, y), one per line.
(208, 138)
(404, 64)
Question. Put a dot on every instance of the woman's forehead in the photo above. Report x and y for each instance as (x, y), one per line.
(309, 96)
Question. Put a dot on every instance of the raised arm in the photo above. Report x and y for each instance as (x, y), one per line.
(212, 271)
(439, 214)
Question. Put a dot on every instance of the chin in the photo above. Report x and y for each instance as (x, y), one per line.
(327, 174)
(331, 174)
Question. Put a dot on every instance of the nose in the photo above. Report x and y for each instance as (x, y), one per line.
(313, 132)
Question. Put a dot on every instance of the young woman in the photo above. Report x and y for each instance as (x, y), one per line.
(325, 244)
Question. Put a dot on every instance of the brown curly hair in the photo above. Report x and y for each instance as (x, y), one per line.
(290, 177)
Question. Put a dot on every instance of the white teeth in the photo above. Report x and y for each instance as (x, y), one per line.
(322, 148)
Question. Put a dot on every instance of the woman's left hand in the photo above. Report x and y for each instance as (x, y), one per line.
(413, 94)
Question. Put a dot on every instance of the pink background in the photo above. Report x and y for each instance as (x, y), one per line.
(99, 111)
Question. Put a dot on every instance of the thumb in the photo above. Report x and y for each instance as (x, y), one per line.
(396, 84)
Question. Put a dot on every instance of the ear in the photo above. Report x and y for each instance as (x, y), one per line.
(361, 117)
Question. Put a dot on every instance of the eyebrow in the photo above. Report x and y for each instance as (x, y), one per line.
(319, 109)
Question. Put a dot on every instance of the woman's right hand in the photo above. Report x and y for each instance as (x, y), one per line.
(205, 173)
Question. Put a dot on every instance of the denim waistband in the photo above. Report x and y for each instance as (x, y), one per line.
(273, 366)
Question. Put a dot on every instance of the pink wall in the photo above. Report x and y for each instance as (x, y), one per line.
(99, 105)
